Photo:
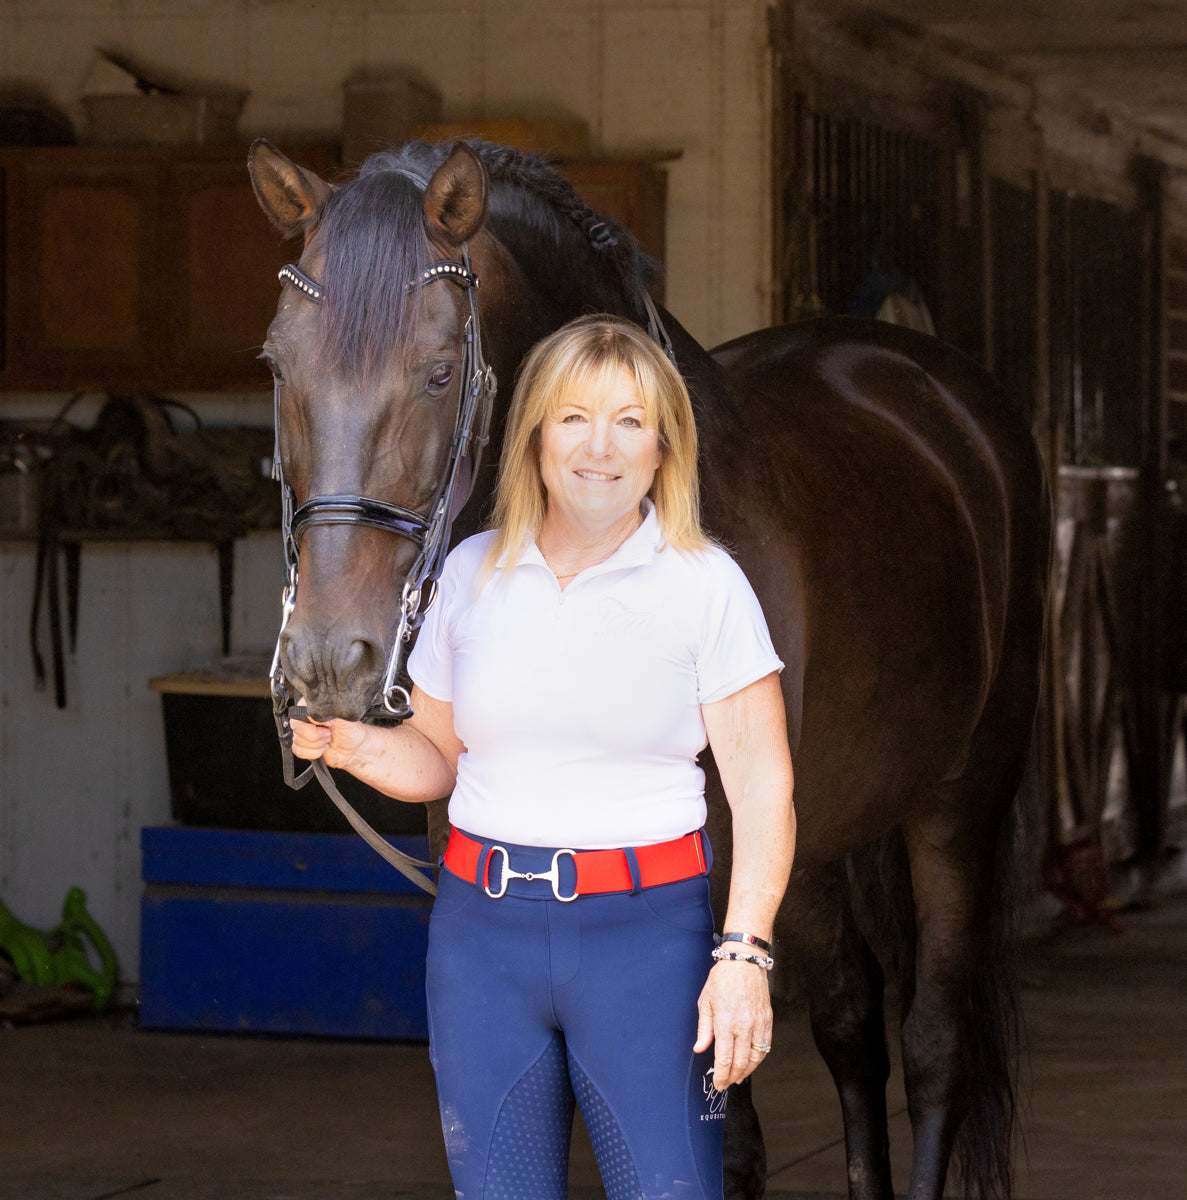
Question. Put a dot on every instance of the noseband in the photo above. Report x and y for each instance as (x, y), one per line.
(428, 531)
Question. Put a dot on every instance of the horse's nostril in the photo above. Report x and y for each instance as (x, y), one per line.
(295, 656)
(362, 657)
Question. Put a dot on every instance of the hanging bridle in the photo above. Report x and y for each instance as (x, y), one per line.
(430, 533)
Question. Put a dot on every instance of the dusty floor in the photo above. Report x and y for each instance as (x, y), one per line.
(94, 1108)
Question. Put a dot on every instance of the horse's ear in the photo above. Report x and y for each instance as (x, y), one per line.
(291, 197)
(455, 200)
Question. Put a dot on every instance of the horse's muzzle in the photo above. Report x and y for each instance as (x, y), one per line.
(338, 672)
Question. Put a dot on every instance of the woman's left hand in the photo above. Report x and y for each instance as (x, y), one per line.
(734, 1016)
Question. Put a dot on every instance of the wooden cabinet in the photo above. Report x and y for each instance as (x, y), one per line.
(78, 256)
(153, 269)
(142, 268)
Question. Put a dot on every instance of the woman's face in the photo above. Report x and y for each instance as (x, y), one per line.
(598, 455)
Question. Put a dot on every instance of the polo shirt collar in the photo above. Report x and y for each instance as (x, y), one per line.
(638, 550)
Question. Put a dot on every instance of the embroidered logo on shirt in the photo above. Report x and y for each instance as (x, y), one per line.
(616, 620)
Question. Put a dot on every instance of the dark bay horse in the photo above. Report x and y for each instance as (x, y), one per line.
(886, 502)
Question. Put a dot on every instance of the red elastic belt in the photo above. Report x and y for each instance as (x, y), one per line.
(598, 871)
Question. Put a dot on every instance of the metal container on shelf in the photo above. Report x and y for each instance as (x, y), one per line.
(24, 447)
(18, 502)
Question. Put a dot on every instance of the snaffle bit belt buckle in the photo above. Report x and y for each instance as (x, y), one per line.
(552, 874)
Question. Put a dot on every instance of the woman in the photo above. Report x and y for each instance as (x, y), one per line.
(577, 660)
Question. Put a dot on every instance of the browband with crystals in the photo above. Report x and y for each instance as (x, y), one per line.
(301, 281)
(444, 269)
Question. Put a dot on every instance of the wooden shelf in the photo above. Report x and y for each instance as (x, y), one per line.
(206, 683)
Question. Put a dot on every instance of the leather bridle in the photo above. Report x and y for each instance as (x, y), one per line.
(428, 531)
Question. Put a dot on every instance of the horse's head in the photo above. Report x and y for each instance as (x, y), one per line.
(372, 358)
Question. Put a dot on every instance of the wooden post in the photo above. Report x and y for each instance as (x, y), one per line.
(1152, 700)
(1048, 431)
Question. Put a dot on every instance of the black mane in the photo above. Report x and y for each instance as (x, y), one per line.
(373, 231)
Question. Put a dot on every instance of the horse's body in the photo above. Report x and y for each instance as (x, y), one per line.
(889, 510)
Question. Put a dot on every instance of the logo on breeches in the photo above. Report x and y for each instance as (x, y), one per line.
(713, 1098)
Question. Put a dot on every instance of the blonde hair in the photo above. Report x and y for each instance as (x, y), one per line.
(579, 356)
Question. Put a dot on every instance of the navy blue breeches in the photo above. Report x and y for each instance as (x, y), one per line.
(535, 1004)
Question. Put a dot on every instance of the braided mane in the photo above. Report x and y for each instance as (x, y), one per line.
(537, 180)
(373, 233)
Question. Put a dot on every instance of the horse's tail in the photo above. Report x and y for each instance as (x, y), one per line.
(983, 1152)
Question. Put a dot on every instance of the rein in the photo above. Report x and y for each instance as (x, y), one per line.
(429, 532)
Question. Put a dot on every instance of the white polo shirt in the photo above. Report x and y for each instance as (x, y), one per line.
(580, 710)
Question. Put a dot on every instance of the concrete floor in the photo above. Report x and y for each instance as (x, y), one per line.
(94, 1108)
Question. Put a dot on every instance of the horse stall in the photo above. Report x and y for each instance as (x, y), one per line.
(916, 195)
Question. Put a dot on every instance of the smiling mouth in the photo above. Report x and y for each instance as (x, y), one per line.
(596, 475)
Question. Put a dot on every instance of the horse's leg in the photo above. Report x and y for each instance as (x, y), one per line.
(744, 1171)
(845, 1002)
(955, 1054)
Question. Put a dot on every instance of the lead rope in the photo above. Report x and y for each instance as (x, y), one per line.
(404, 863)
(408, 866)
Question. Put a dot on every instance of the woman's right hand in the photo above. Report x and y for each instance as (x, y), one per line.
(414, 762)
(336, 742)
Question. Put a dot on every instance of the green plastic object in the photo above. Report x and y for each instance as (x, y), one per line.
(59, 957)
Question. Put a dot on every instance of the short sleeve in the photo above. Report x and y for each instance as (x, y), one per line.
(735, 647)
(431, 662)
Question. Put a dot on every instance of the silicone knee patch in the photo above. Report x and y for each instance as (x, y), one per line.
(617, 1168)
(529, 1152)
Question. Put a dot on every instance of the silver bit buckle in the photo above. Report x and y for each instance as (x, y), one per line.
(552, 874)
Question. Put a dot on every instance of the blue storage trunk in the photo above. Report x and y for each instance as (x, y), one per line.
(301, 933)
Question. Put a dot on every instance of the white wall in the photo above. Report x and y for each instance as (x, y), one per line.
(77, 784)
(648, 76)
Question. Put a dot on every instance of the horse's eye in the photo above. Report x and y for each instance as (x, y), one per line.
(439, 378)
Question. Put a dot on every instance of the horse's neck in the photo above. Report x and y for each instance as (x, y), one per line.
(719, 412)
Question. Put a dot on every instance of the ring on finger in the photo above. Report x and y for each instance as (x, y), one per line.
(761, 1047)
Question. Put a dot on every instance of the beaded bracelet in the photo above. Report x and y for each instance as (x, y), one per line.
(748, 939)
(722, 955)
